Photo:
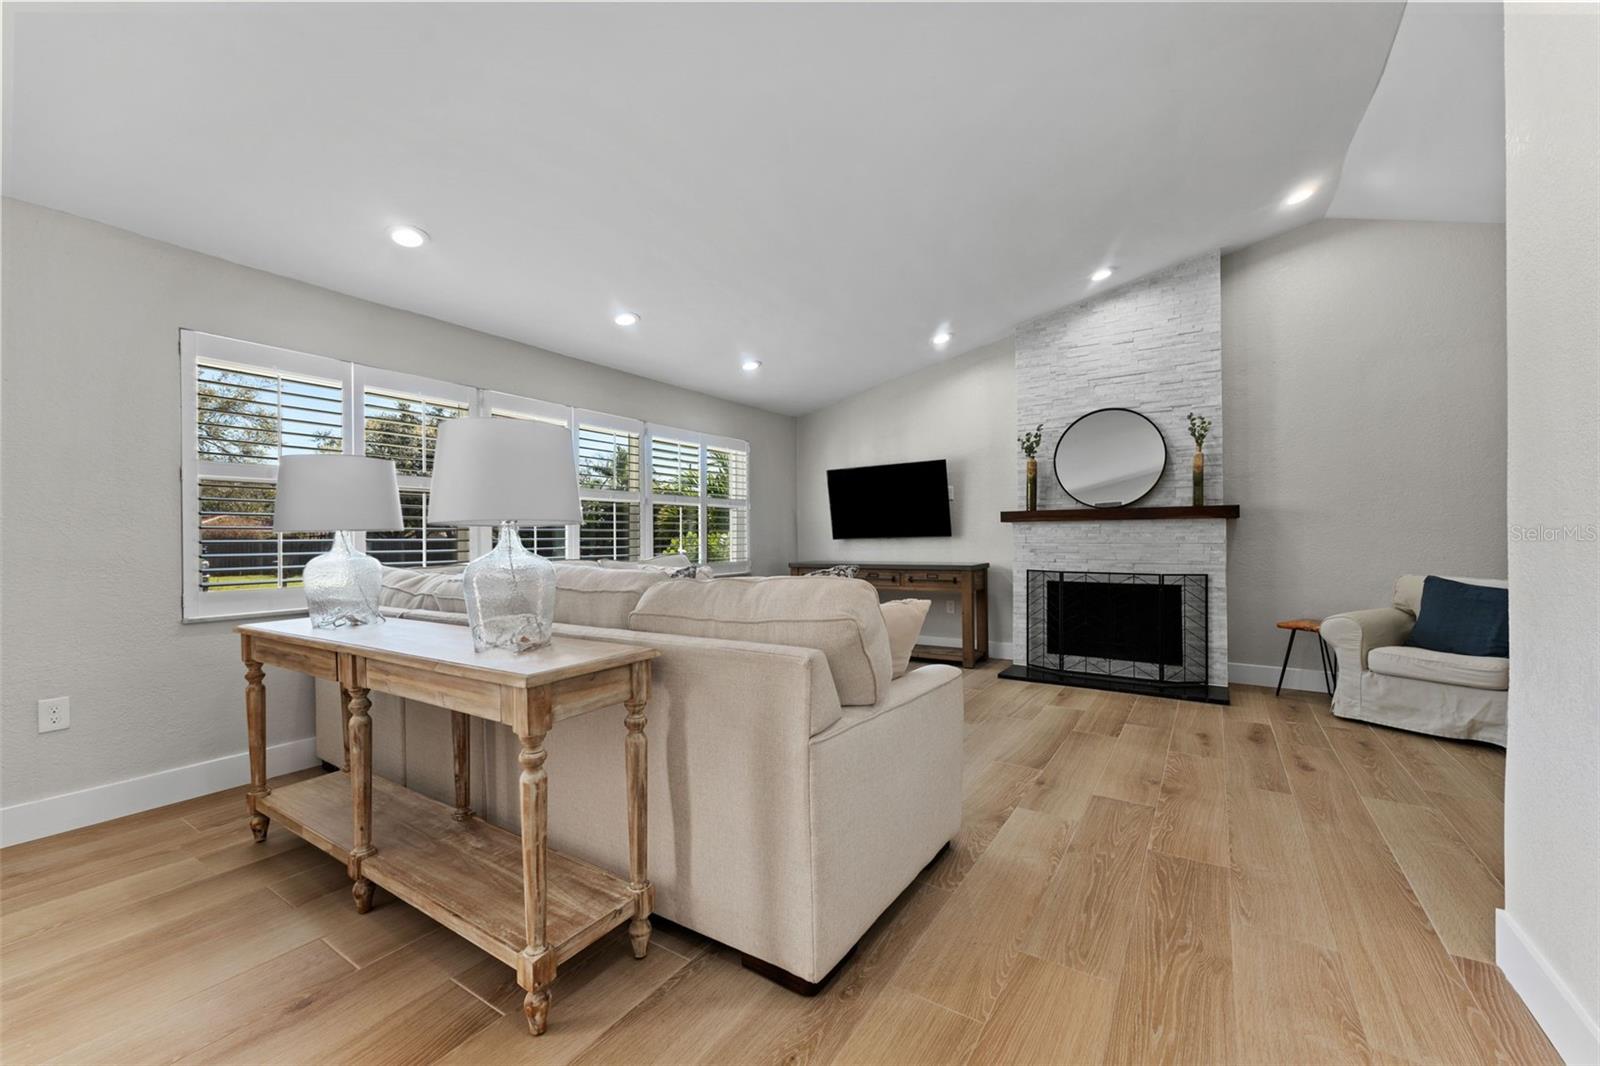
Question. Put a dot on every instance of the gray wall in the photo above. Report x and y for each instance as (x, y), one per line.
(962, 410)
(1364, 369)
(1553, 487)
(90, 436)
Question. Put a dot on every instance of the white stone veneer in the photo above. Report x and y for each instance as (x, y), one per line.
(1155, 346)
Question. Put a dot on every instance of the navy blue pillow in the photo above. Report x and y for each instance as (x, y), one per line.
(1462, 619)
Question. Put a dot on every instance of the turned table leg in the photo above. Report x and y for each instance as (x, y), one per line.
(536, 967)
(255, 714)
(344, 724)
(638, 801)
(360, 737)
(461, 740)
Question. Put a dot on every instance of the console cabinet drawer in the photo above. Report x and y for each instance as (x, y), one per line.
(932, 579)
(883, 579)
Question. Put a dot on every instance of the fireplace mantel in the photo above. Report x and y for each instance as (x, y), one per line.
(1121, 514)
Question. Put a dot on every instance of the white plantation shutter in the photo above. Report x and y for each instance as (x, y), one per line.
(674, 467)
(610, 457)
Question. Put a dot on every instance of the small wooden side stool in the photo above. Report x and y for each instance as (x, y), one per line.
(1330, 665)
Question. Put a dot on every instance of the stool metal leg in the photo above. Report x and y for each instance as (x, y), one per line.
(1285, 667)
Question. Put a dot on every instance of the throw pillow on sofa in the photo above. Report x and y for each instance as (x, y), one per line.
(904, 619)
(1462, 619)
(838, 617)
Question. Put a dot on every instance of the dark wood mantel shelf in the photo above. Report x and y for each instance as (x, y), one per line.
(1121, 514)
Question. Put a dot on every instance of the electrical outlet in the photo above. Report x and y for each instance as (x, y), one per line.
(949, 608)
(55, 714)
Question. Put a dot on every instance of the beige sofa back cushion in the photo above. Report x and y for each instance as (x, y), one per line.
(1408, 589)
(600, 596)
(422, 590)
(839, 617)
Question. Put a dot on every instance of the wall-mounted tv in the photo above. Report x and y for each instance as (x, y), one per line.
(893, 500)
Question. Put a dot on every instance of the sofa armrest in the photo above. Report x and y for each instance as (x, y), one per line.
(1353, 634)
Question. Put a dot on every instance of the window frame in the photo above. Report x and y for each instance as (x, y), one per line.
(353, 379)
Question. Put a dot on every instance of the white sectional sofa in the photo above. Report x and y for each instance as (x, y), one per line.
(1383, 680)
(796, 788)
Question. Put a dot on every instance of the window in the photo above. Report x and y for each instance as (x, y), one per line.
(644, 490)
(700, 491)
(246, 406)
(400, 419)
(609, 491)
(548, 541)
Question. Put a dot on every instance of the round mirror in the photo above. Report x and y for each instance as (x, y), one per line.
(1110, 457)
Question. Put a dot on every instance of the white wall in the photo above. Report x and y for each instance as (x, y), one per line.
(1549, 942)
(90, 504)
(963, 411)
(1364, 369)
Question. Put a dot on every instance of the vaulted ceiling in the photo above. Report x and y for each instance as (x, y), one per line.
(820, 187)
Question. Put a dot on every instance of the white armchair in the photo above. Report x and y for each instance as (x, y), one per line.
(1382, 680)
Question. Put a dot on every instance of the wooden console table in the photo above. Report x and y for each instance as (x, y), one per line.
(528, 906)
(968, 580)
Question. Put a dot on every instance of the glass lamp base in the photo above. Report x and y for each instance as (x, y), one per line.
(342, 586)
(511, 596)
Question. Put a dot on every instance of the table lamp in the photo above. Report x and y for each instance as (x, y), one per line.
(339, 493)
(489, 471)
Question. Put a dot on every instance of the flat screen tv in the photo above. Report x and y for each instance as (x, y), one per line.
(893, 500)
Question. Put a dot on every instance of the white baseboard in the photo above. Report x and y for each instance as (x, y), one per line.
(1553, 1005)
(72, 810)
(998, 649)
(1298, 678)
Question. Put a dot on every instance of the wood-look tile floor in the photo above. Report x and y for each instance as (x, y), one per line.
(1136, 880)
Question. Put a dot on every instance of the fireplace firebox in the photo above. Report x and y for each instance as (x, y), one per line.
(1141, 633)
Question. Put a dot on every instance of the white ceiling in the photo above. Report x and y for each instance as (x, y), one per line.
(1432, 146)
(817, 186)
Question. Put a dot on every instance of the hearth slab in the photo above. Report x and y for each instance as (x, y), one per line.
(1192, 693)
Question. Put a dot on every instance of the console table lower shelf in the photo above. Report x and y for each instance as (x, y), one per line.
(466, 875)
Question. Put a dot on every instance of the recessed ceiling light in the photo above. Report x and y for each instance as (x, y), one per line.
(942, 337)
(750, 364)
(408, 236)
(625, 318)
(1300, 195)
(1100, 275)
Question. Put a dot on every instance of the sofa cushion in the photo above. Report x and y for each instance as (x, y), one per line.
(837, 616)
(599, 596)
(422, 590)
(1408, 589)
(903, 619)
(1462, 619)
(1441, 667)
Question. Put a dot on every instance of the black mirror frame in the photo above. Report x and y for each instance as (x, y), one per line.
(1166, 454)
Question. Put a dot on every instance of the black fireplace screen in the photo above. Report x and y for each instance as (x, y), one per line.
(1144, 627)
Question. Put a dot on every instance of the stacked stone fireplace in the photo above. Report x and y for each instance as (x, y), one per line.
(1155, 346)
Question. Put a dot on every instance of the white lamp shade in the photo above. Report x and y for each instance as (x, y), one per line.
(318, 493)
(490, 470)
